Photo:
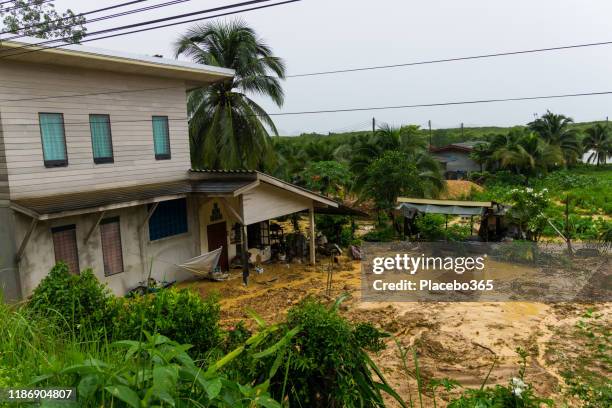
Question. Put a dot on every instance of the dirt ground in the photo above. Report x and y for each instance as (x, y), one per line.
(454, 340)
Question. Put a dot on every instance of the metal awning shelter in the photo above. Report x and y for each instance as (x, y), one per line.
(408, 207)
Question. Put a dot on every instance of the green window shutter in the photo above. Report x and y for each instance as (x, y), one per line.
(53, 139)
(161, 137)
(101, 139)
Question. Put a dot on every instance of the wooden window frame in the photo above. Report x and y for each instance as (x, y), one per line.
(164, 156)
(102, 160)
(110, 221)
(53, 163)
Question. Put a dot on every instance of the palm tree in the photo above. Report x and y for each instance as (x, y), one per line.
(481, 154)
(227, 128)
(556, 130)
(524, 152)
(598, 141)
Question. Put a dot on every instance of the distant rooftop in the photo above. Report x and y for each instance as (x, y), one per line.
(79, 56)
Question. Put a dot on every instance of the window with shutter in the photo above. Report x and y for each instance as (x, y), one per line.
(112, 252)
(65, 246)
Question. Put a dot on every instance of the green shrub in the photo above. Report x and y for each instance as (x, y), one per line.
(431, 226)
(328, 366)
(77, 299)
(182, 315)
(380, 234)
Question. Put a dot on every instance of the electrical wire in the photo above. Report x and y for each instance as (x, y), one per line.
(471, 102)
(144, 23)
(437, 61)
(428, 105)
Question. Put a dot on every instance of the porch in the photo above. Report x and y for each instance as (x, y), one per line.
(127, 234)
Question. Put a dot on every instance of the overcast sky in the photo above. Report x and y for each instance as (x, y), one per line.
(316, 35)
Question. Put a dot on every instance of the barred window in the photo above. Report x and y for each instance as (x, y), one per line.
(258, 235)
(112, 253)
(65, 246)
(170, 218)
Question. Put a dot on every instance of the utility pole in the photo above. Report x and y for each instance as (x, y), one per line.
(373, 126)
(429, 124)
(462, 131)
(567, 226)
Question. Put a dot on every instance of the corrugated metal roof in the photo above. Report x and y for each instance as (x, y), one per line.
(444, 202)
(219, 186)
(100, 198)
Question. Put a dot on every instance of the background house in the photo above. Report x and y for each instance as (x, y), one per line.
(455, 159)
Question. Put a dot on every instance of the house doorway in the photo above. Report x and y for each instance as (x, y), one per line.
(217, 237)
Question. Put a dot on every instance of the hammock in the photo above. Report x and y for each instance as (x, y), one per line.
(205, 265)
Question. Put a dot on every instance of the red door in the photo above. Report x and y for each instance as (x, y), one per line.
(217, 237)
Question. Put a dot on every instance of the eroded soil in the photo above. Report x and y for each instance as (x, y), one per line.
(454, 340)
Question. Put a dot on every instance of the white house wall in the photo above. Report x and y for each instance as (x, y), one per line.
(163, 254)
(130, 117)
(266, 202)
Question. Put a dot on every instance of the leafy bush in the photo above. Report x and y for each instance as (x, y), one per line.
(380, 234)
(77, 299)
(182, 315)
(431, 226)
(328, 366)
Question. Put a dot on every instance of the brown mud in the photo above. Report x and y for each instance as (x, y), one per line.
(454, 340)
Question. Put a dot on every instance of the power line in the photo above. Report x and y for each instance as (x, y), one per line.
(182, 22)
(129, 3)
(437, 61)
(478, 101)
(427, 105)
(149, 22)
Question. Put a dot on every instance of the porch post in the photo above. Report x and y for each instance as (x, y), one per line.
(313, 234)
(245, 247)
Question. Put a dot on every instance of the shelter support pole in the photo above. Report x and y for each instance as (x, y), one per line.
(245, 245)
(313, 235)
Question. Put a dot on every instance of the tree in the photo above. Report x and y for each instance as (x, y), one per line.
(330, 178)
(598, 141)
(387, 138)
(227, 128)
(40, 19)
(523, 152)
(527, 211)
(398, 173)
(557, 131)
(481, 154)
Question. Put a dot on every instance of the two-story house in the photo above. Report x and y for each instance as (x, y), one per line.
(95, 171)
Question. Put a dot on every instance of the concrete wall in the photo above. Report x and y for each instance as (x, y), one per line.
(131, 127)
(10, 286)
(458, 161)
(205, 211)
(4, 187)
(162, 254)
